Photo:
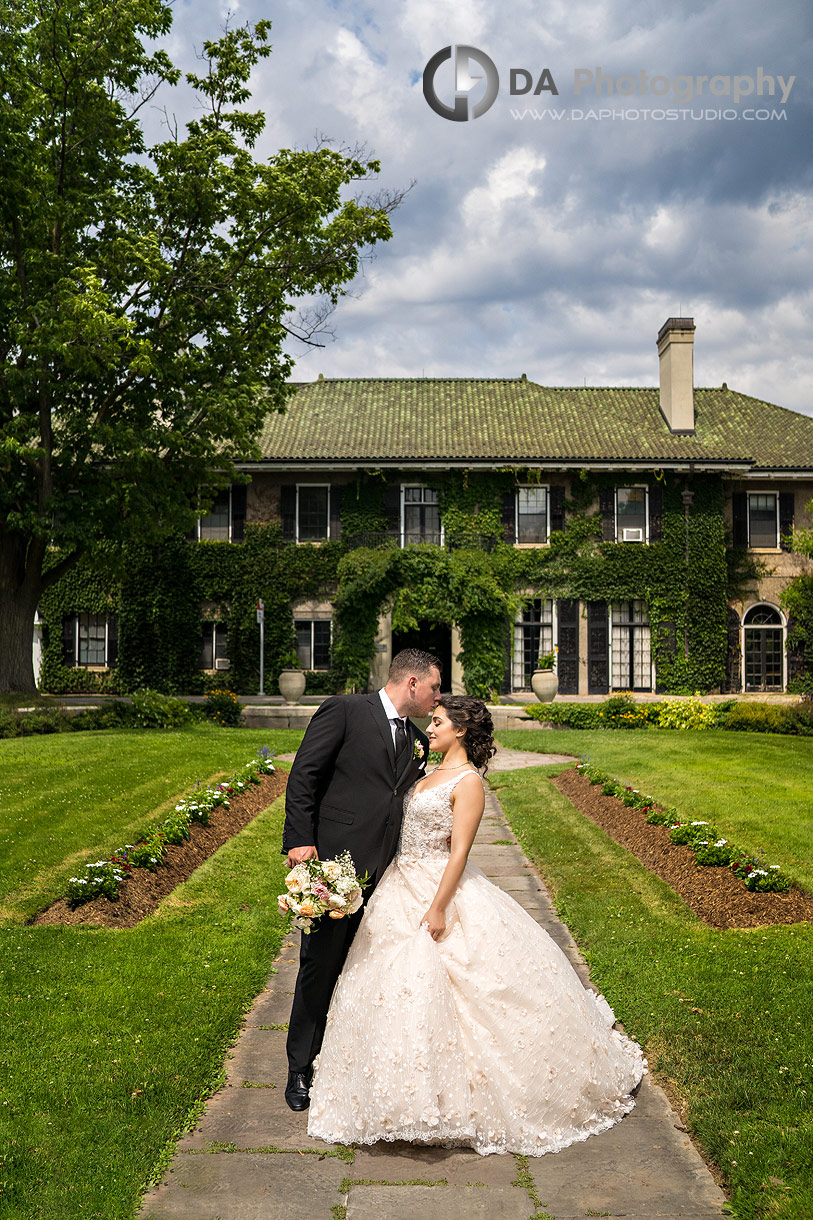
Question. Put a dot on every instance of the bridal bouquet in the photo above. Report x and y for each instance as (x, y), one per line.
(318, 887)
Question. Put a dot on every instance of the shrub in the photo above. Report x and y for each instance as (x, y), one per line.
(716, 854)
(758, 718)
(223, 707)
(622, 712)
(149, 852)
(175, 828)
(149, 709)
(100, 878)
(687, 714)
(690, 833)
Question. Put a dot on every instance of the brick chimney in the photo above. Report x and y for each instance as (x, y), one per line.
(676, 353)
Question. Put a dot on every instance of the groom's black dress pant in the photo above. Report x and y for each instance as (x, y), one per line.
(321, 958)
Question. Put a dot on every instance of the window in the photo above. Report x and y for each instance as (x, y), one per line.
(90, 640)
(313, 643)
(631, 514)
(420, 520)
(226, 521)
(763, 651)
(312, 512)
(631, 663)
(213, 647)
(763, 520)
(532, 514)
(533, 634)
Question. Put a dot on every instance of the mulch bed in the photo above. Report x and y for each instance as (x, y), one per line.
(142, 891)
(714, 894)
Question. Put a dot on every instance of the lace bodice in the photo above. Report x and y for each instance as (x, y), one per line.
(427, 823)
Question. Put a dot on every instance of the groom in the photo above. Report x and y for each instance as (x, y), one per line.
(346, 792)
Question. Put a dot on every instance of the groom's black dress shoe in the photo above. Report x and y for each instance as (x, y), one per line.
(296, 1090)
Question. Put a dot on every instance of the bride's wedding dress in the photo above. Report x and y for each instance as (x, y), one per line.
(485, 1038)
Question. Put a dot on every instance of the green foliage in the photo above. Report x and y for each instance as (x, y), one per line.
(159, 626)
(688, 714)
(223, 707)
(362, 506)
(149, 709)
(617, 712)
(149, 852)
(145, 291)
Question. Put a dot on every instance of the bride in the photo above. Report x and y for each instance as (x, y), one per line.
(457, 1020)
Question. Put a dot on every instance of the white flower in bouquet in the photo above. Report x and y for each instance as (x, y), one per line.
(319, 887)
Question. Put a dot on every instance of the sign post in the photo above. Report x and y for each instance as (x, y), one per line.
(261, 621)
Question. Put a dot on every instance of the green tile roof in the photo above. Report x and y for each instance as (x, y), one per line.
(369, 420)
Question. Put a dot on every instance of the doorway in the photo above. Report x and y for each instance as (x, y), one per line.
(431, 637)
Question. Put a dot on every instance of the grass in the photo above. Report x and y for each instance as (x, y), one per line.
(70, 798)
(724, 1016)
(111, 1040)
(754, 787)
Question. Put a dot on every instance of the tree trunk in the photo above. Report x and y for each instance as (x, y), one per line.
(20, 587)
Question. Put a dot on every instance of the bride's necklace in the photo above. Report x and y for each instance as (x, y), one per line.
(456, 767)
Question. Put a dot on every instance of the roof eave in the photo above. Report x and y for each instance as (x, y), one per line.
(719, 465)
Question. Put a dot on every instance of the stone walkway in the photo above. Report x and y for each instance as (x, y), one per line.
(250, 1157)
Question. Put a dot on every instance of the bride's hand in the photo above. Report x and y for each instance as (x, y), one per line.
(435, 921)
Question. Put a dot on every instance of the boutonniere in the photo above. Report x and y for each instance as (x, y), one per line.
(418, 751)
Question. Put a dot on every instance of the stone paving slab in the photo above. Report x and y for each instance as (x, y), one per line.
(644, 1168)
(244, 1186)
(437, 1203)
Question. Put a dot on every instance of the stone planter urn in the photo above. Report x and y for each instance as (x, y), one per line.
(292, 685)
(545, 685)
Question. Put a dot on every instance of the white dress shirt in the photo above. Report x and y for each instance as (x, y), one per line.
(391, 713)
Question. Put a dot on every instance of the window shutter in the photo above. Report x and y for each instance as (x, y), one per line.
(786, 505)
(733, 680)
(335, 511)
(391, 506)
(69, 640)
(238, 512)
(795, 650)
(557, 507)
(287, 511)
(567, 665)
(606, 502)
(598, 663)
(655, 513)
(739, 508)
(509, 521)
(112, 640)
(505, 685)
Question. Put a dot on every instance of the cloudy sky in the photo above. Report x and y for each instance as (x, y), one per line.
(556, 247)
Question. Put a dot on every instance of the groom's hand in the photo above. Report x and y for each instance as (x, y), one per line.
(298, 854)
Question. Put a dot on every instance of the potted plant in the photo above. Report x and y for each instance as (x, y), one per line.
(292, 679)
(544, 680)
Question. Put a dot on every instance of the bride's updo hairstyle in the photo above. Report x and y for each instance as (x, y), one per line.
(471, 714)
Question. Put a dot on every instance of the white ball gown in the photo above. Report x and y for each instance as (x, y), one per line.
(485, 1038)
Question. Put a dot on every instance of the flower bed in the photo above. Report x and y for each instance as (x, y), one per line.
(105, 876)
(710, 849)
(715, 895)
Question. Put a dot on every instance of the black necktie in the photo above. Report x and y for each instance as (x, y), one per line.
(401, 743)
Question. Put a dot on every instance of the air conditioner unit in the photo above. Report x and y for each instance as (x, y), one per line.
(629, 535)
(222, 662)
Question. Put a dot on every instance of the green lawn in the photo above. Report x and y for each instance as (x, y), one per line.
(724, 1016)
(111, 1040)
(70, 798)
(754, 787)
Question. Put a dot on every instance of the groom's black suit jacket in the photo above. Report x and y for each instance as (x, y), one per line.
(343, 792)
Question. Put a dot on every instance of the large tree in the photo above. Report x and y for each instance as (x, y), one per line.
(145, 293)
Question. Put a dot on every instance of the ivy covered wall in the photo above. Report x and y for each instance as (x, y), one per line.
(478, 583)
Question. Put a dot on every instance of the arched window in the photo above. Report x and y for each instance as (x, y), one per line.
(764, 648)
